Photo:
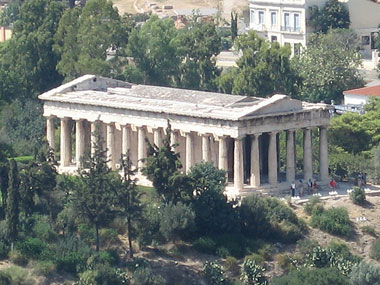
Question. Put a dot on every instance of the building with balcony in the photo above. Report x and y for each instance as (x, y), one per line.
(285, 21)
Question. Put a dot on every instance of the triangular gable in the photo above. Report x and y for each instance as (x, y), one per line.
(276, 104)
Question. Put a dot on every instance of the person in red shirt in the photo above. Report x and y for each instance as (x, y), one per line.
(332, 184)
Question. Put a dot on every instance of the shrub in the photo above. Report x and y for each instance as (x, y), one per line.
(317, 276)
(149, 231)
(230, 244)
(365, 274)
(334, 221)
(231, 264)
(32, 247)
(375, 250)
(86, 233)
(222, 252)
(19, 275)
(205, 245)
(45, 268)
(306, 245)
(251, 273)
(145, 276)
(259, 259)
(214, 273)
(108, 237)
(109, 257)
(3, 250)
(5, 278)
(284, 261)
(43, 230)
(309, 206)
(357, 196)
(286, 232)
(175, 220)
(104, 275)
(18, 258)
(370, 231)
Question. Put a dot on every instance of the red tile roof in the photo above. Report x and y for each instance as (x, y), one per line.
(365, 91)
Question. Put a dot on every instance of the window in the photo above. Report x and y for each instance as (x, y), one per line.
(297, 49)
(365, 40)
(252, 18)
(261, 17)
(287, 21)
(273, 18)
(273, 39)
(296, 22)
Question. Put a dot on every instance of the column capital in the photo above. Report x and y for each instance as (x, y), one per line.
(291, 130)
(273, 133)
(256, 135)
(323, 127)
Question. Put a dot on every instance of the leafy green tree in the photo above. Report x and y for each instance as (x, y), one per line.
(12, 212)
(365, 273)
(93, 196)
(128, 198)
(199, 44)
(154, 51)
(85, 37)
(333, 15)
(28, 55)
(213, 213)
(9, 13)
(264, 68)
(327, 68)
(163, 169)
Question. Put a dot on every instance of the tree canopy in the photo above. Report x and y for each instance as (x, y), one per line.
(333, 15)
(327, 68)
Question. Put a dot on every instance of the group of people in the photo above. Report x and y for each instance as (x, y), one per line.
(298, 189)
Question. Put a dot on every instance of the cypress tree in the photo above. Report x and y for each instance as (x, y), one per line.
(12, 212)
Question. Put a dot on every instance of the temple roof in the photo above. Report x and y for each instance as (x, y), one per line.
(100, 91)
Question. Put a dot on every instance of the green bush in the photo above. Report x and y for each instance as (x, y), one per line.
(334, 221)
(222, 252)
(357, 196)
(19, 275)
(149, 231)
(145, 276)
(5, 278)
(369, 230)
(365, 273)
(214, 273)
(259, 259)
(3, 250)
(230, 244)
(109, 237)
(205, 245)
(86, 233)
(317, 276)
(375, 250)
(18, 258)
(284, 261)
(43, 230)
(251, 273)
(309, 206)
(231, 264)
(105, 275)
(32, 247)
(45, 268)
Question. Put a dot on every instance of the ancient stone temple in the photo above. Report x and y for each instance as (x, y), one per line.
(238, 133)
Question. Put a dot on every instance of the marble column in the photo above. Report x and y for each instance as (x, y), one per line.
(238, 164)
(290, 157)
(223, 156)
(206, 154)
(65, 142)
(125, 139)
(93, 137)
(174, 138)
(307, 155)
(79, 141)
(111, 146)
(50, 132)
(323, 155)
(272, 158)
(141, 148)
(189, 151)
(157, 138)
(255, 161)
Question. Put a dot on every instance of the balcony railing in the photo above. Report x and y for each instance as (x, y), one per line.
(290, 29)
(258, 27)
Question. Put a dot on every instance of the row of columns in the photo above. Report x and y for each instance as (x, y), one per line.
(65, 148)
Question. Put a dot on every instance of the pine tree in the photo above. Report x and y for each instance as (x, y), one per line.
(129, 199)
(12, 213)
(162, 168)
(234, 27)
(93, 196)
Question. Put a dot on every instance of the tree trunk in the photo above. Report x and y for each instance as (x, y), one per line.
(129, 225)
(97, 237)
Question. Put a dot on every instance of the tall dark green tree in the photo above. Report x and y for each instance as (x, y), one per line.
(333, 15)
(93, 196)
(85, 38)
(234, 26)
(128, 198)
(12, 212)
(198, 46)
(163, 169)
(29, 55)
(264, 68)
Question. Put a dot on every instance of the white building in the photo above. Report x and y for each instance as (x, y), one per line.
(240, 134)
(361, 96)
(285, 21)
